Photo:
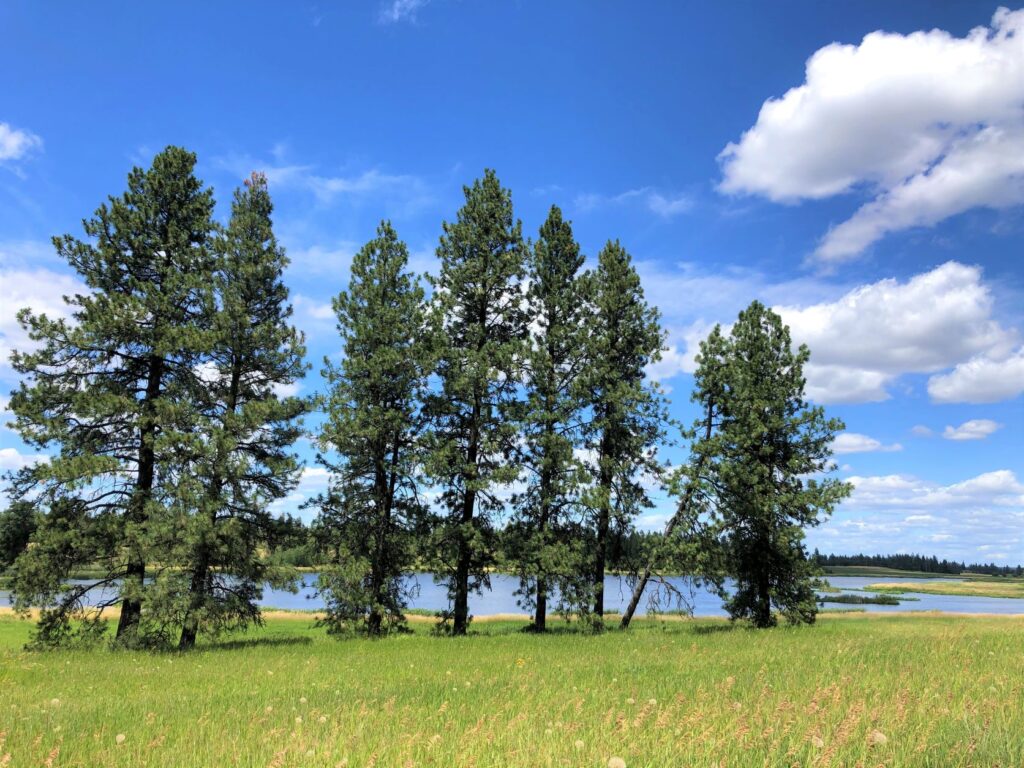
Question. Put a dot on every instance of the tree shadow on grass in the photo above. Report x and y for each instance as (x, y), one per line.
(256, 642)
(711, 629)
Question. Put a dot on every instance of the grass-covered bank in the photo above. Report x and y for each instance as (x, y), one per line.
(922, 690)
(980, 588)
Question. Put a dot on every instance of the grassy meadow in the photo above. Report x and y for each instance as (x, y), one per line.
(877, 690)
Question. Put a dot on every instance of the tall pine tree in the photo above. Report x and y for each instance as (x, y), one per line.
(479, 315)
(545, 537)
(628, 416)
(251, 423)
(113, 391)
(372, 512)
(767, 455)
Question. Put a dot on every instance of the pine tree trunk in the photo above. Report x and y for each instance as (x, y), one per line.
(546, 483)
(197, 591)
(382, 491)
(460, 609)
(763, 612)
(131, 607)
(603, 525)
(201, 584)
(541, 611)
(541, 615)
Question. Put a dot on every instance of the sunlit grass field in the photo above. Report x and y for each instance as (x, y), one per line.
(852, 690)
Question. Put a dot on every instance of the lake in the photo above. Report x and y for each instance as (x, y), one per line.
(501, 597)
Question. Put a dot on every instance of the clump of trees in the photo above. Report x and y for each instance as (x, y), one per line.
(505, 420)
(161, 396)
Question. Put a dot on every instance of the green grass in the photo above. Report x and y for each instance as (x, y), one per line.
(861, 599)
(893, 691)
(976, 588)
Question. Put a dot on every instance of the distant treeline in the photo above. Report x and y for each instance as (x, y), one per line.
(921, 563)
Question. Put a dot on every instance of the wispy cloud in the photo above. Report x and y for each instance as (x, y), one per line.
(663, 205)
(408, 191)
(400, 10)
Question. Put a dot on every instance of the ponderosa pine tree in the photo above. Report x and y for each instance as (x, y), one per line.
(545, 537)
(481, 325)
(245, 462)
(113, 391)
(628, 415)
(372, 511)
(767, 456)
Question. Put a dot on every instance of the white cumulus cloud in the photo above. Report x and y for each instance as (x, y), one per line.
(929, 124)
(17, 144)
(862, 338)
(975, 429)
(861, 342)
(23, 286)
(852, 442)
(982, 379)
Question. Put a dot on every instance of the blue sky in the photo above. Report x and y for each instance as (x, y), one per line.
(859, 166)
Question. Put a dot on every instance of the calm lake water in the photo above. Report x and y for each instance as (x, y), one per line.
(501, 597)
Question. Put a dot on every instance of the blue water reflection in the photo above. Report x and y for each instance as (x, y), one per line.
(501, 598)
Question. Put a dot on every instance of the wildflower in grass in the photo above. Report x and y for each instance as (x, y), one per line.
(616, 762)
